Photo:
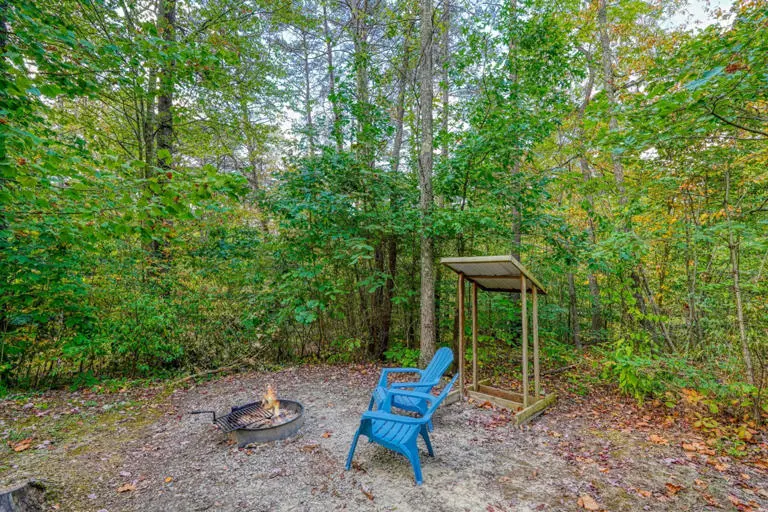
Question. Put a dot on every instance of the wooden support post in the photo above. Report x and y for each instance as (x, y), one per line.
(535, 319)
(524, 315)
(474, 336)
(461, 335)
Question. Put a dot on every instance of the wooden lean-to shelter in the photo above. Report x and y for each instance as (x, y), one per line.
(501, 274)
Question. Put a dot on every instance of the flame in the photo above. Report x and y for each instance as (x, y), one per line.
(270, 401)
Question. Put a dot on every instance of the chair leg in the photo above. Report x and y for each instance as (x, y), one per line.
(425, 436)
(413, 457)
(352, 450)
(370, 403)
(430, 426)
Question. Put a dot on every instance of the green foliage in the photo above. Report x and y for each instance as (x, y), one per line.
(635, 372)
(345, 350)
(642, 214)
(401, 355)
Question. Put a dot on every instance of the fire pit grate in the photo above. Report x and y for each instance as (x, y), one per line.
(252, 423)
(242, 416)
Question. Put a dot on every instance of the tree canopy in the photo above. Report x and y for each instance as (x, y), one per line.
(184, 185)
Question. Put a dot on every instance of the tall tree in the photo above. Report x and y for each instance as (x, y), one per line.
(427, 325)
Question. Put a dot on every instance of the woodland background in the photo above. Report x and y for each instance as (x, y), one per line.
(189, 185)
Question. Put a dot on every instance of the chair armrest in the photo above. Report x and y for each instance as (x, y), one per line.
(391, 393)
(386, 371)
(388, 416)
(420, 384)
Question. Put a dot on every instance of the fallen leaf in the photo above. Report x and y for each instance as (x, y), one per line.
(22, 445)
(358, 467)
(588, 502)
(126, 488)
(644, 493)
(367, 492)
(717, 464)
(656, 439)
(327, 434)
(698, 447)
(711, 501)
(309, 448)
(673, 489)
(700, 484)
(168, 479)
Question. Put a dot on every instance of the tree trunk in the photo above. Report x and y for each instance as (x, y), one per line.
(307, 95)
(733, 249)
(167, 25)
(444, 79)
(573, 313)
(336, 133)
(4, 164)
(618, 170)
(610, 94)
(427, 325)
(149, 121)
(389, 292)
(167, 29)
(361, 62)
(514, 169)
(402, 83)
(586, 173)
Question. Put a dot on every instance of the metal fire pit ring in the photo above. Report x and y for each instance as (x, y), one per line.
(244, 434)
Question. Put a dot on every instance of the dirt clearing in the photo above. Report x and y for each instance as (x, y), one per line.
(140, 451)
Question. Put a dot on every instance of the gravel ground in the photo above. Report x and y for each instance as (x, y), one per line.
(180, 462)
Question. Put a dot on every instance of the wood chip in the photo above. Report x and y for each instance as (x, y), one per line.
(587, 502)
(126, 488)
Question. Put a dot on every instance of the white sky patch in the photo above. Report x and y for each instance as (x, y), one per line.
(699, 14)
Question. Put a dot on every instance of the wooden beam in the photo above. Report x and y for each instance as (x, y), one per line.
(461, 335)
(501, 402)
(524, 315)
(501, 393)
(453, 397)
(528, 413)
(474, 336)
(536, 369)
(516, 277)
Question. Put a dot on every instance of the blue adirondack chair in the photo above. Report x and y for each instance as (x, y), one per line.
(399, 433)
(429, 378)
